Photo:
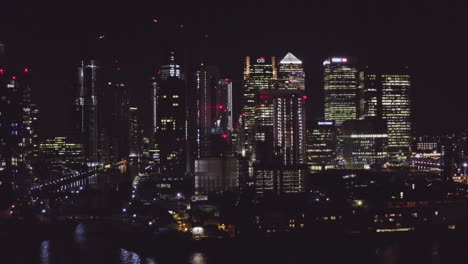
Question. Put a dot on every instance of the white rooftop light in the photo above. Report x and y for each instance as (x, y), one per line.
(290, 59)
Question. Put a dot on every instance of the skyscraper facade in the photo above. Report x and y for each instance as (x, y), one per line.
(18, 127)
(340, 89)
(396, 111)
(291, 73)
(370, 95)
(280, 132)
(88, 104)
(365, 143)
(135, 136)
(170, 120)
(259, 74)
(321, 146)
(114, 131)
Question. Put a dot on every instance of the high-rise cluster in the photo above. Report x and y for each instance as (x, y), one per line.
(18, 124)
(274, 124)
(372, 114)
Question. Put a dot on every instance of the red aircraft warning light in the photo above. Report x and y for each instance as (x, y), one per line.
(14, 77)
(26, 70)
(2, 71)
(304, 97)
(224, 136)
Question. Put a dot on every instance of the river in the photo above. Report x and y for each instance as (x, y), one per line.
(81, 245)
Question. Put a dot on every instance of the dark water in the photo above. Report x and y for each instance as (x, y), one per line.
(82, 245)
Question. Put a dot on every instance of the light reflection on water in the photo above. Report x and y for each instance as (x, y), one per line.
(80, 234)
(198, 258)
(129, 257)
(44, 251)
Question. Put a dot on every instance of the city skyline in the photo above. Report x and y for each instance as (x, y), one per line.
(424, 52)
(233, 131)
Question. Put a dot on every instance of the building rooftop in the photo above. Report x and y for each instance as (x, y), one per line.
(290, 59)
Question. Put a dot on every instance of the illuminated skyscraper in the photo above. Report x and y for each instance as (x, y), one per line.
(340, 89)
(170, 120)
(61, 153)
(321, 146)
(210, 115)
(10, 129)
(87, 105)
(225, 109)
(135, 139)
(280, 132)
(370, 95)
(258, 75)
(365, 143)
(30, 115)
(396, 110)
(291, 73)
(18, 126)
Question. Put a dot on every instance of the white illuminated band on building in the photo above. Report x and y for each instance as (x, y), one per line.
(366, 136)
(325, 123)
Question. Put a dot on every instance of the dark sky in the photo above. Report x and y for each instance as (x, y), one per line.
(428, 36)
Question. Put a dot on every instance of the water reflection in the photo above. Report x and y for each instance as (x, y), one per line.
(435, 253)
(44, 251)
(129, 257)
(198, 258)
(390, 254)
(80, 234)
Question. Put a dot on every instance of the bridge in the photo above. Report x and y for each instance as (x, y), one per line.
(73, 181)
(68, 182)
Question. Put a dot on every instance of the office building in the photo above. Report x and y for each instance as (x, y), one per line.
(61, 153)
(321, 146)
(370, 94)
(115, 106)
(135, 132)
(340, 89)
(18, 126)
(280, 165)
(291, 73)
(365, 143)
(396, 111)
(216, 174)
(88, 106)
(170, 137)
(259, 74)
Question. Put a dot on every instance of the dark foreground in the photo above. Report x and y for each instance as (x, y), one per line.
(97, 243)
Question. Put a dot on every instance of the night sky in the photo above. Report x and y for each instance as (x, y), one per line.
(430, 37)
